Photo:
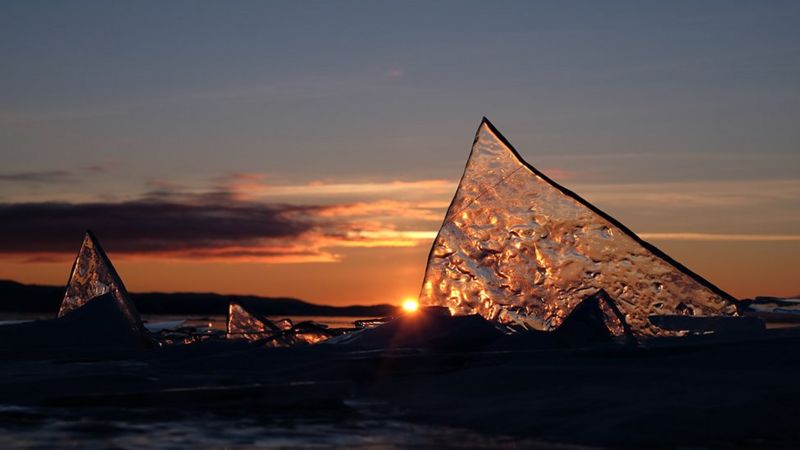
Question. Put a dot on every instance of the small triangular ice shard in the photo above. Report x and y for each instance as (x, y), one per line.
(243, 324)
(246, 324)
(513, 239)
(92, 276)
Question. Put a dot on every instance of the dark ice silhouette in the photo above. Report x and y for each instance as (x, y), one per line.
(98, 324)
(93, 275)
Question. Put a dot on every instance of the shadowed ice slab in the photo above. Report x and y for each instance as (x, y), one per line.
(516, 244)
(92, 276)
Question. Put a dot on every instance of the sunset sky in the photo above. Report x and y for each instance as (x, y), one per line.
(310, 149)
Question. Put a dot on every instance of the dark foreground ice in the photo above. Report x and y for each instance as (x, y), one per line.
(421, 380)
(37, 428)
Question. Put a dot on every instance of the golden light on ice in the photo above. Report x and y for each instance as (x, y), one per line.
(519, 248)
(410, 305)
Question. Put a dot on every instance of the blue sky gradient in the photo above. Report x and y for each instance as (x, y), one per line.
(676, 117)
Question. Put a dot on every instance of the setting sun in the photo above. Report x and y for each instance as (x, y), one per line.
(410, 305)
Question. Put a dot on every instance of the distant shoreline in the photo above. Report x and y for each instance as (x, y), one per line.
(17, 297)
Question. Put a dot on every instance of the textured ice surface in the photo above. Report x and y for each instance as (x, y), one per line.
(309, 333)
(515, 246)
(92, 276)
(242, 324)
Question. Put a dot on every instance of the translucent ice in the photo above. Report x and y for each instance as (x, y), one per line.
(243, 324)
(516, 246)
(92, 276)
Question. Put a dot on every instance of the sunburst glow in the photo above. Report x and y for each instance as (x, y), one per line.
(410, 305)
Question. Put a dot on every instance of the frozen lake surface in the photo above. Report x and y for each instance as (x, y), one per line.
(29, 428)
(421, 381)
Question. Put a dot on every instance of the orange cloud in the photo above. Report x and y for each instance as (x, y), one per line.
(212, 227)
(407, 210)
(254, 187)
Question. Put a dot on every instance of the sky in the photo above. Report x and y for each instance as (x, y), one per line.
(310, 149)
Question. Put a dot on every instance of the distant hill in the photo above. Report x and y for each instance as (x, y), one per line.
(30, 298)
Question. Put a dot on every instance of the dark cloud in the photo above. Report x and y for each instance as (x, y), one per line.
(149, 226)
(41, 177)
(169, 221)
(55, 176)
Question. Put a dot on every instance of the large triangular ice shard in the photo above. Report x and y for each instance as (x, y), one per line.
(92, 276)
(513, 239)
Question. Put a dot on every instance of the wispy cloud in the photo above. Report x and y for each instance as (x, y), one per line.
(719, 237)
(278, 90)
(394, 209)
(15, 117)
(60, 176)
(38, 177)
(100, 167)
(245, 217)
(254, 186)
(692, 194)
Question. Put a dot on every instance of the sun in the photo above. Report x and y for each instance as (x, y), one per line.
(410, 305)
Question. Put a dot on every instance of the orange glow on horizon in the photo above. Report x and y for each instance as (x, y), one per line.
(368, 276)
